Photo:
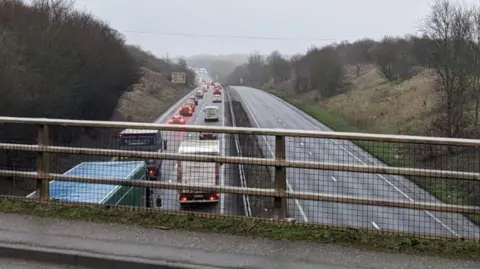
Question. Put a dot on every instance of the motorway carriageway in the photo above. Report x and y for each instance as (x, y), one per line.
(228, 204)
(268, 111)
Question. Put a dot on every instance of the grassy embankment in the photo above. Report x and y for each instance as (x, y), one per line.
(375, 105)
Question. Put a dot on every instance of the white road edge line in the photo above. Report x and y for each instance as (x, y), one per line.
(379, 175)
(222, 176)
(375, 225)
(273, 155)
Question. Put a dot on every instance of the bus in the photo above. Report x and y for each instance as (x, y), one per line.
(145, 140)
(98, 193)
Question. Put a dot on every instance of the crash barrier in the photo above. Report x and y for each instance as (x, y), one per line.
(318, 178)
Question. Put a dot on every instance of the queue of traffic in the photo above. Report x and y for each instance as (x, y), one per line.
(197, 173)
(188, 108)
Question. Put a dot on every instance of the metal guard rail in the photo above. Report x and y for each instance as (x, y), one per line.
(247, 131)
(370, 169)
(252, 191)
(279, 193)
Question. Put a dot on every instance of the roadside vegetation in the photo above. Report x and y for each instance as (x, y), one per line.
(416, 85)
(57, 62)
(457, 249)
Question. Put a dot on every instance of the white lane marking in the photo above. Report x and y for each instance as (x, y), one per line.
(304, 216)
(222, 175)
(375, 225)
(351, 154)
(333, 178)
(379, 175)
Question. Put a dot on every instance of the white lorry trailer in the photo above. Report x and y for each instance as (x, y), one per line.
(198, 173)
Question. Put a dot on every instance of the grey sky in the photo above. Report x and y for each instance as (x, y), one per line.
(331, 20)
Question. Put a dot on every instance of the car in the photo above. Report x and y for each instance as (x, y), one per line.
(176, 119)
(199, 94)
(217, 92)
(186, 110)
(207, 136)
(205, 89)
(217, 98)
(211, 113)
(191, 104)
(194, 99)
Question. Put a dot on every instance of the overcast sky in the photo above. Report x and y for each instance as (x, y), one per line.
(302, 23)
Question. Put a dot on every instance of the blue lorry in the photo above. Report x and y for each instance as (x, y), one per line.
(103, 193)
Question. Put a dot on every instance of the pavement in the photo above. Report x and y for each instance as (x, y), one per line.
(228, 204)
(8, 263)
(82, 242)
(268, 111)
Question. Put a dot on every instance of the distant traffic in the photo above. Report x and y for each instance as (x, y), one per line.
(150, 169)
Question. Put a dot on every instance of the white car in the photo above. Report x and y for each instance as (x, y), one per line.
(211, 113)
(199, 94)
(217, 98)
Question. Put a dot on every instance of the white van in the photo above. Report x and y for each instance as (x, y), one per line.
(217, 98)
(211, 113)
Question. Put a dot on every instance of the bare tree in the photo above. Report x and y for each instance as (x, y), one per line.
(476, 66)
(394, 57)
(279, 67)
(256, 68)
(359, 53)
(450, 26)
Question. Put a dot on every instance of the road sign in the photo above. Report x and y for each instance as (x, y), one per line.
(179, 78)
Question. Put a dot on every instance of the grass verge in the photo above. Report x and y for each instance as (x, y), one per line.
(247, 227)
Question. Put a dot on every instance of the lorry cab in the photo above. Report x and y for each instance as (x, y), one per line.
(144, 140)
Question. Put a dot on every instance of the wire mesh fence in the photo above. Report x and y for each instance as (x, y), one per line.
(328, 181)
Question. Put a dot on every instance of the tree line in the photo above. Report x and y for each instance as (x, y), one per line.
(57, 62)
(449, 44)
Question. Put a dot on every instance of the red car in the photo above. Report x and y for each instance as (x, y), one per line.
(186, 110)
(191, 104)
(176, 119)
